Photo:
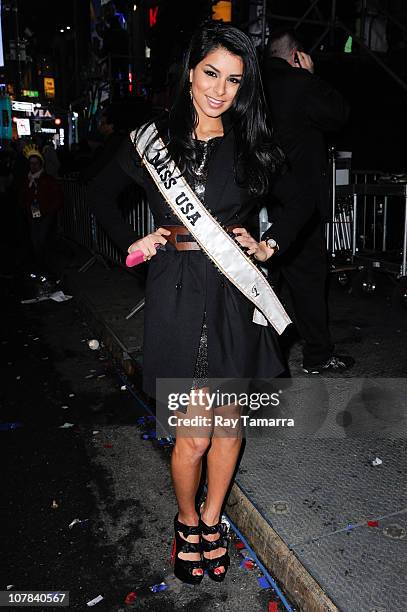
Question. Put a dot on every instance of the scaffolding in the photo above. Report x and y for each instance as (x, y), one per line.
(322, 18)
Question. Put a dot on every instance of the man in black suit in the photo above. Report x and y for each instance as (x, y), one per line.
(303, 107)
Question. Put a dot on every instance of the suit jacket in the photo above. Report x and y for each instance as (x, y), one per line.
(184, 287)
(303, 108)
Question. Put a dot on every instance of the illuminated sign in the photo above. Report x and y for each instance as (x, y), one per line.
(23, 126)
(49, 87)
(48, 130)
(30, 93)
(152, 16)
(222, 11)
(28, 107)
(1, 41)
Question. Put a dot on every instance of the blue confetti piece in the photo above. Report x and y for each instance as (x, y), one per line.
(349, 526)
(156, 588)
(146, 437)
(10, 426)
(151, 417)
(140, 421)
(263, 582)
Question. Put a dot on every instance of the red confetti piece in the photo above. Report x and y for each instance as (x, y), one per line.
(239, 545)
(273, 606)
(108, 445)
(249, 564)
(373, 523)
(130, 598)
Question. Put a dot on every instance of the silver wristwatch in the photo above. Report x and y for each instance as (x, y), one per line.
(272, 244)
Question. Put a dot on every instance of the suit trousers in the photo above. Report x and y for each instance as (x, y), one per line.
(303, 268)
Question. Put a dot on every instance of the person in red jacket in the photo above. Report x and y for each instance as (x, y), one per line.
(41, 198)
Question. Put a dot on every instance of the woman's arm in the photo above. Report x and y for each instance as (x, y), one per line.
(104, 189)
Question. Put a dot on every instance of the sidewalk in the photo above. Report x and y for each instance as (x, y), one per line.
(303, 503)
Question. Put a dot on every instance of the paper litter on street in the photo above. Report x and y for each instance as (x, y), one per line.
(94, 601)
(57, 296)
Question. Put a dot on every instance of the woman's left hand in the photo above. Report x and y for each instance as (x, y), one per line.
(259, 250)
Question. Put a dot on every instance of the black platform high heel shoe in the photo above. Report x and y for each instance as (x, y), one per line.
(222, 541)
(183, 568)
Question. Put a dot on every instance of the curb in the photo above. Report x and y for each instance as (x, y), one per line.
(275, 555)
(271, 550)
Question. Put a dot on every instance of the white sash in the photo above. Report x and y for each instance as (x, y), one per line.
(208, 233)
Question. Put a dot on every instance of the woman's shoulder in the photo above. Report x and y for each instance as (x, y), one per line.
(158, 121)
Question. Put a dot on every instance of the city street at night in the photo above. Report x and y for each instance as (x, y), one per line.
(203, 290)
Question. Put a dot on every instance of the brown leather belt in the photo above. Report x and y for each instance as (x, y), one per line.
(179, 237)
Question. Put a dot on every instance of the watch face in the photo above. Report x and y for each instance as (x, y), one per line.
(271, 243)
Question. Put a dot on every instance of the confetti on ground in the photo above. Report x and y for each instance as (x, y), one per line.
(64, 407)
(239, 545)
(77, 522)
(273, 606)
(151, 435)
(94, 601)
(108, 446)
(93, 345)
(247, 564)
(54, 505)
(156, 588)
(66, 426)
(263, 583)
(130, 598)
(376, 461)
(123, 388)
(373, 523)
(10, 426)
(71, 395)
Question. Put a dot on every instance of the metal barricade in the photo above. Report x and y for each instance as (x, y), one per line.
(79, 224)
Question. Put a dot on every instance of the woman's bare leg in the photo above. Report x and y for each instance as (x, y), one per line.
(221, 463)
(186, 468)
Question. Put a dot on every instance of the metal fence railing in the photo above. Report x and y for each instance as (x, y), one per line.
(359, 221)
(79, 224)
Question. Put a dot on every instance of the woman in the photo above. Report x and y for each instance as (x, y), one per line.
(198, 325)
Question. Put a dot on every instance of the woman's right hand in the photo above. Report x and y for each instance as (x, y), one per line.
(146, 244)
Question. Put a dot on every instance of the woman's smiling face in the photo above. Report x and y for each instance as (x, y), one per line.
(215, 82)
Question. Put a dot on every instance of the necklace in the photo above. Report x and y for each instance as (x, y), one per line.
(200, 168)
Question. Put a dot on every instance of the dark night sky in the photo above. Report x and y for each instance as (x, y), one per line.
(45, 17)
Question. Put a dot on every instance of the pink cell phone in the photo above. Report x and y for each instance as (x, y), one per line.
(137, 257)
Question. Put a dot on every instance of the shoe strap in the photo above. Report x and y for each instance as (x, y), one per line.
(186, 530)
(190, 565)
(208, 545)
(220, 528)
(187, 547)
(212, 564)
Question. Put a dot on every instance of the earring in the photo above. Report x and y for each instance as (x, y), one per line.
(190, 91)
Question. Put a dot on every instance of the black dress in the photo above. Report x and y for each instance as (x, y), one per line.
(193, 315)
(197, 180)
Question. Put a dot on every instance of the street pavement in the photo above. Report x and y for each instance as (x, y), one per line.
(87, 505)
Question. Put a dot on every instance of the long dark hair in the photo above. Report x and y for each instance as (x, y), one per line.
(257, 156)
